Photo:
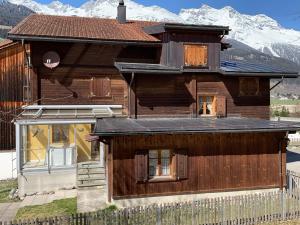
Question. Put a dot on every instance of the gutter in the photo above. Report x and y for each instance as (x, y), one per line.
(128, 133)
(81, 40)
(262, 74)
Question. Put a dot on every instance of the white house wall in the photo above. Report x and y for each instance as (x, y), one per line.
(8, 165)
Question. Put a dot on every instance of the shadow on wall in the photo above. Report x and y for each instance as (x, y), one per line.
(293, 157)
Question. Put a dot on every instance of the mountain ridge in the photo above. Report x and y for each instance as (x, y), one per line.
(260, 31)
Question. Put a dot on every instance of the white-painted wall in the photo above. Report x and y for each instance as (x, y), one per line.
(8, 165)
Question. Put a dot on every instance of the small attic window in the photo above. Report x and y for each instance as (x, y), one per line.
(195, 55)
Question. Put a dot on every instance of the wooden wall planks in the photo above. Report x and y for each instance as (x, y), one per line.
(175, 95)
(216, 162)
(12, 79)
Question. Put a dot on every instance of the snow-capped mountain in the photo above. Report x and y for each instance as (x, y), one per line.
(257, 31)
(103, 9)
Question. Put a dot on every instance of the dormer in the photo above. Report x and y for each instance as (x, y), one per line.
(190, 47)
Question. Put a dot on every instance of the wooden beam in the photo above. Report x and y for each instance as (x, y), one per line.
(109, 171)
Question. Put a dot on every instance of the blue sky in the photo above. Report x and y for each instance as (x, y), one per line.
(287, 12)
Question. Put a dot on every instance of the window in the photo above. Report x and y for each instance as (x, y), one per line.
(206, 105)
(195, 55)
(60, 133)
(249, 86)
(100, 87)
(159, 163)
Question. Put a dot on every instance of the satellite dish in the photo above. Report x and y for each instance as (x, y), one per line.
(51, 59)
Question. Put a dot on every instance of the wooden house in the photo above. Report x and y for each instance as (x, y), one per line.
(151, 104)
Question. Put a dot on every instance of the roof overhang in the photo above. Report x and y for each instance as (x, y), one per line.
(30, 38)
(260, 74)
(125, 126)
(241, 68)
(165, 27)
(145, 68)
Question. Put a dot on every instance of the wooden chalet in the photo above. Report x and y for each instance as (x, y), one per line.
(151, 104)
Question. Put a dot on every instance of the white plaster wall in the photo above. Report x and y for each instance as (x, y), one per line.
(8, 165)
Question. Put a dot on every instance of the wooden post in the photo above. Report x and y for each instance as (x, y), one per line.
(109, 172)
(193, 89)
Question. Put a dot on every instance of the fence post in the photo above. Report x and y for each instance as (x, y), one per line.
(158, 215)
(193, 213)
(283, 205)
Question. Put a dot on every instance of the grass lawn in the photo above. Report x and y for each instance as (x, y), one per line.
(276, 101)
(5, 188)
(61, 207)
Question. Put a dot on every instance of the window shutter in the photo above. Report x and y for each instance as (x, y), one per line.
(141, 165)
(100, 87)
(181, 164)
(221, 106)
(195, 55)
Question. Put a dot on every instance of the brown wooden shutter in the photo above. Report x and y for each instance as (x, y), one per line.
(100, 87)
(221, 106)
(195, 55)
(181, 164)
(141, 165)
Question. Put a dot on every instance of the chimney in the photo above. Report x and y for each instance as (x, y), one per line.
(121, 12)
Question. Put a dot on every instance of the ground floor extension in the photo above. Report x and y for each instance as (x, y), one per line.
(55, 148)
(161, 157)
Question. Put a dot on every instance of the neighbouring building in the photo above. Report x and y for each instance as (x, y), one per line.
(13, 72)
(144, 109)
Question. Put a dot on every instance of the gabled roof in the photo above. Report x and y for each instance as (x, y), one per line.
(126, 126)
(73, 28)
(238, 68)
(6, 43)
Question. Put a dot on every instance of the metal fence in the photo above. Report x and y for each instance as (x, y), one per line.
(237, 210)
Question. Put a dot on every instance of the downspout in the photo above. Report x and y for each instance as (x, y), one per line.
(28, 71)
(129, 91)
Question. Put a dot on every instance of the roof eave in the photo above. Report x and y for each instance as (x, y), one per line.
(17, 37)
(146, 71)
(129, 133)
(161, 28)
(262, 74)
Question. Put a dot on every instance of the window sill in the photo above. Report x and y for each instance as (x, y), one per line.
(209, 116)
(196, 67)
(101, 97)
(161, 179)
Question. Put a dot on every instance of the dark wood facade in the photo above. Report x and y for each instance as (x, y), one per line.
(173, 48)
(157, 95)
(176, 95)
(215, 162)
(12, 80)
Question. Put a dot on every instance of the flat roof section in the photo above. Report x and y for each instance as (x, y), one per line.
(126, 126)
